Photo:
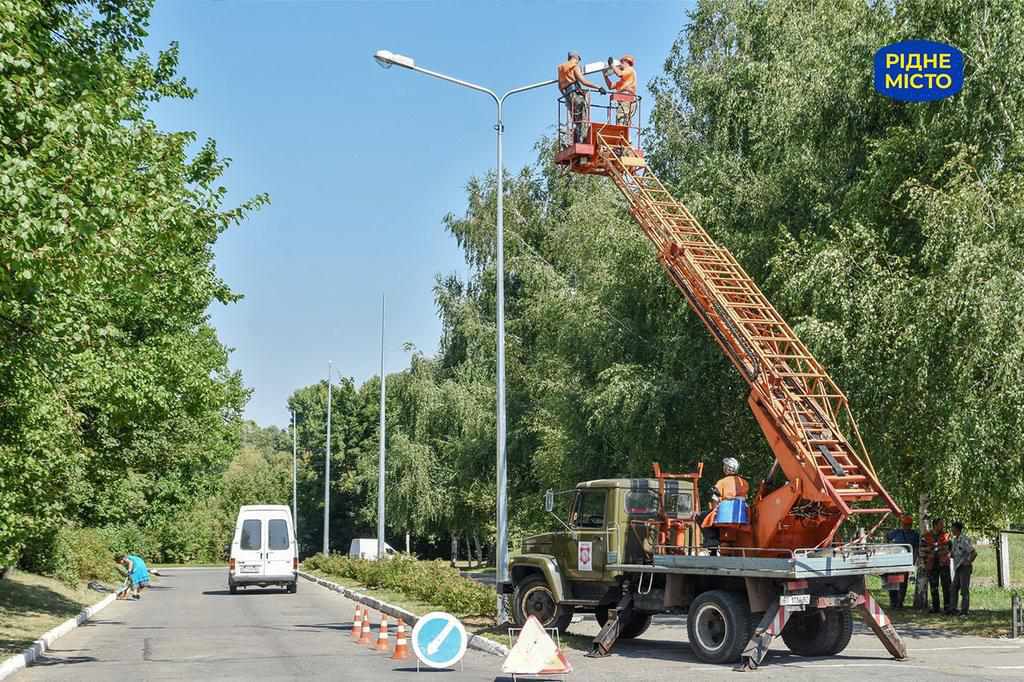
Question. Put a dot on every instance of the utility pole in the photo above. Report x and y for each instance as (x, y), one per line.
(383, 437)
(327, 465)
(295, 479)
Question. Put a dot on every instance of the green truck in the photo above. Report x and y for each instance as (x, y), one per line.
(607, 559)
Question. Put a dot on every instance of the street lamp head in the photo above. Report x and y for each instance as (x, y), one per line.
(387, 59)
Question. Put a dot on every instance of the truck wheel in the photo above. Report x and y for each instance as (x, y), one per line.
(823, 632)
(718, 625)
(637, 625)
(533, 597)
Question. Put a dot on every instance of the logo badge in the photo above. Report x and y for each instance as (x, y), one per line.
(586, 556)
(919, 71)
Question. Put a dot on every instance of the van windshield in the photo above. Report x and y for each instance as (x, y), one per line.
(277, 534)
(251, 531)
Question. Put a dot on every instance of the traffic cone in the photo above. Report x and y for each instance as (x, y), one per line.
(357, 623)
(382, 634)
(367, 636)
(401, 648)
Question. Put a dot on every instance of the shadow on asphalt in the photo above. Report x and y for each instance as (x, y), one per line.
(227, 593)
(341, 627)
(62, 660)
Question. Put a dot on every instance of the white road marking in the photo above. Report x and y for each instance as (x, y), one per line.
(436, 643)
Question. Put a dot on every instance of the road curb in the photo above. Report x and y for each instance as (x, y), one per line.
(475, 641)
(22, 660)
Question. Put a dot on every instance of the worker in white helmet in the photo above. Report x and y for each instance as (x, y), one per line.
(731, 486)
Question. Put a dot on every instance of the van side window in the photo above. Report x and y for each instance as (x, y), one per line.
(277, 534)
(251, 530)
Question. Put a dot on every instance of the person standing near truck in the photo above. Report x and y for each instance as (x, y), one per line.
(904, 535)
(964, 555)
(935, 554)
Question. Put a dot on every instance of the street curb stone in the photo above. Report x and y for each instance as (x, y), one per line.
(19, 661)
(475, 641)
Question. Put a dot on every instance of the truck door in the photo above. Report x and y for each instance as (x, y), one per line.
(587, 546)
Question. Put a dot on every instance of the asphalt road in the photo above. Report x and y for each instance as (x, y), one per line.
(189, 628)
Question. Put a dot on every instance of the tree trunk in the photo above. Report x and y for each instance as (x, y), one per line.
(455, 548)
(479, 550)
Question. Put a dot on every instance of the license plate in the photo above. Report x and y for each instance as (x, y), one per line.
(795, 599)
(250, 569)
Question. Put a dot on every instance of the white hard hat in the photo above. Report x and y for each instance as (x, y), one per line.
(731, 465)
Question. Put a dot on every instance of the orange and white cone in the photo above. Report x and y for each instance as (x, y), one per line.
(382, 634)
(367, 635)
(401, 647)
(357, 623)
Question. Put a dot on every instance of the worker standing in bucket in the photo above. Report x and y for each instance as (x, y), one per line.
(904, 535)
(577, 100)
(626, 85)
(935, 555)
(731, 486)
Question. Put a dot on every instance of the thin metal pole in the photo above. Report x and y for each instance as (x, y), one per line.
(383, 437)
(502, 539)
(295, 478)
(327, 465)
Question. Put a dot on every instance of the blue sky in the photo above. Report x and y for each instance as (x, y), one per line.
(361, 163)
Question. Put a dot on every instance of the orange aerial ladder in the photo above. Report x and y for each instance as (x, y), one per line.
(803, 414)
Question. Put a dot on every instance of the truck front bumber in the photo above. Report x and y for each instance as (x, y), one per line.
(865, 560)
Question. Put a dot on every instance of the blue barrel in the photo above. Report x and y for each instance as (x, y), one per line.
(732, 511)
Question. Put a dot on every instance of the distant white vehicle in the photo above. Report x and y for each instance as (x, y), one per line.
(264, 551)
(366, 548)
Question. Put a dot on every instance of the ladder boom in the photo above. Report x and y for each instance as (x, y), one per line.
(802, 412)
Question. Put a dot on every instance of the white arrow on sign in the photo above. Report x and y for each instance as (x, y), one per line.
(436, 643)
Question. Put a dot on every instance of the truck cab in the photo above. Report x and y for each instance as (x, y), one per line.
(604, 523)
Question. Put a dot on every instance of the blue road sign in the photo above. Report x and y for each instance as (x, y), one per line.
(439, 640)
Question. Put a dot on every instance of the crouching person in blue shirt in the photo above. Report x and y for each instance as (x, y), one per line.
(137, 574)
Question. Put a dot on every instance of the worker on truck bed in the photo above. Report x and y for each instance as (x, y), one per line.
(935, 553)
(577, 100)
(964, 555)
(904, 535)
(625, 85)
(730, 487)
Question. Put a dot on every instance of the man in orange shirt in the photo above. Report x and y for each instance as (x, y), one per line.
(577, 100)
(626, 85)
(729, 487)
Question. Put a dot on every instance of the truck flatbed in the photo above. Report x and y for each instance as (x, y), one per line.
(802, 564)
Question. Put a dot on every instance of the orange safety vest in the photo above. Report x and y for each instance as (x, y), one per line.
(627, 82)
(566, 74)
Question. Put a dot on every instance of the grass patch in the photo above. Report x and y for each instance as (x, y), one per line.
(990, 612)
(31, 604)
(985, 564)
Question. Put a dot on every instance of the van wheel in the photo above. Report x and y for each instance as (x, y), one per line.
(821, 632)
(533, 597)
(637, 625)
(718, 626)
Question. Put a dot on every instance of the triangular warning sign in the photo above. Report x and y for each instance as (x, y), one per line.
(535, 652)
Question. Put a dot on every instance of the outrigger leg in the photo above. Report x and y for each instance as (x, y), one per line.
(880, 624)
(609, 634)
(771, 625)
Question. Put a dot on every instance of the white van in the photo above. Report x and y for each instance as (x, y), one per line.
(366, 548)
(263, 551)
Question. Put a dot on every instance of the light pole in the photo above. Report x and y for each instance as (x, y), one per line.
(383, 435)
(388, 59)
(327, 465)
(295, 484)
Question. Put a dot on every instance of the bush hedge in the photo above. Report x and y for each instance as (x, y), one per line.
(433, 582)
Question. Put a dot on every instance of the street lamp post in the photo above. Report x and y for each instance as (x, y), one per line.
(327, 465)
(295, 477)
(388, 59)
(383, 437)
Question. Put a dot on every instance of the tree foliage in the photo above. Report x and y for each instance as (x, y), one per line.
(116, 402)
